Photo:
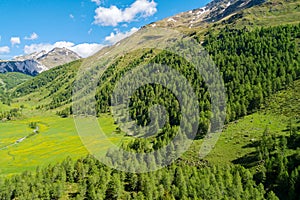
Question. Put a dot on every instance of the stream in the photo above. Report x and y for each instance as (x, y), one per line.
(35, 131)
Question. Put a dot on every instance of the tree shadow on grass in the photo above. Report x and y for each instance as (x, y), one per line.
(251, 145)
(247, 161)
(251, 159)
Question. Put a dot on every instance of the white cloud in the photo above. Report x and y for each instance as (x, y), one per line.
(15, 40)
(98, 2)
(4, 49)
(90, 31)
(28, 49)
(33, 36)
(87, 49)
(84, 50)
(116, 37)
(113, 16)
(71, 16)
(0, 38)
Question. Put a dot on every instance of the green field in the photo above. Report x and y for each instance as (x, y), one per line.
(57, 139)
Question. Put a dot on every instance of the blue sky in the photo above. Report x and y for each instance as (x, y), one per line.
(83, 26)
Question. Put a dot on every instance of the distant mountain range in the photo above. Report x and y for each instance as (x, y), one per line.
(37, 62)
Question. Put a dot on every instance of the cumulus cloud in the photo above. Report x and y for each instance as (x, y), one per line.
(113, 16)
(15, 40)
(28, 49)
(98, 2)
(71, 16)
(4, 49)
(116, 37)
(84, 50)
(87, 49)
(33, 36)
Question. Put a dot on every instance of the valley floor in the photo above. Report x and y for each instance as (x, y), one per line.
(57, 138)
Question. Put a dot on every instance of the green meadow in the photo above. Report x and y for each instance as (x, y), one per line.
(57, 138)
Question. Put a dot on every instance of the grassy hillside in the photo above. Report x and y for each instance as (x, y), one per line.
(49, 89)
(256, 157)
(238, 138)
(11, 80)
(270, 13)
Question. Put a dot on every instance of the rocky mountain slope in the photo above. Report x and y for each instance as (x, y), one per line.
(53, 58)
(35, 63)
(212, 12)
(29, 67)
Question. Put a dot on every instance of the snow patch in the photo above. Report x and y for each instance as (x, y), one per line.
(228, 4)
(201, 11)
(171, 20)
(245, 3)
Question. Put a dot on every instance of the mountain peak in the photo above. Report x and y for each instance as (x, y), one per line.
(56, 56)
(37, 62)
(60, 49)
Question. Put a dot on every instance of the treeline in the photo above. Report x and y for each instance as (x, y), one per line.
(89, 179)
(11, 114)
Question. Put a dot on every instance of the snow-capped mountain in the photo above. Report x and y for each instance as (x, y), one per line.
(38, 62)
(53, 58)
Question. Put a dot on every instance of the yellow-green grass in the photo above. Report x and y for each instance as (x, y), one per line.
(4, 107)
(237, 137)
(56, 140)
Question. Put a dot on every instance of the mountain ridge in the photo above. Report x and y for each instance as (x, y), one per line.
(29, 67)
(38, 62)
(210, 13)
